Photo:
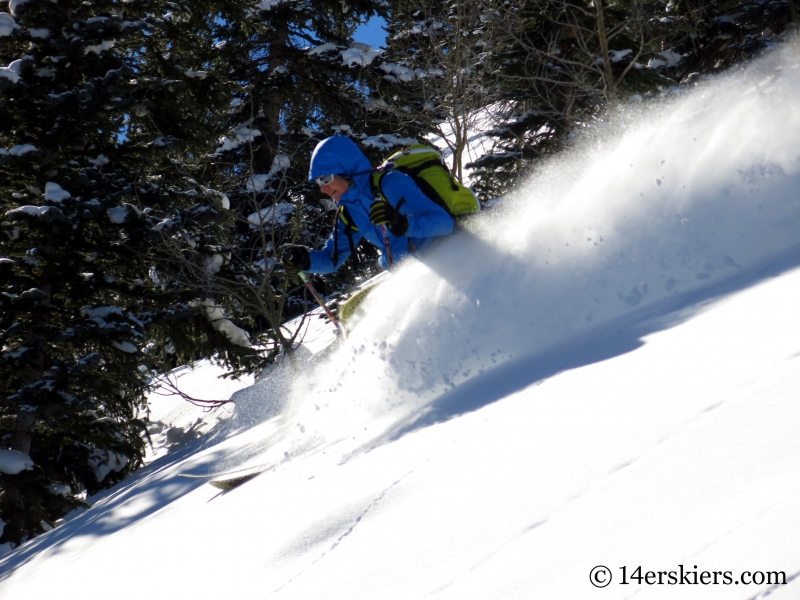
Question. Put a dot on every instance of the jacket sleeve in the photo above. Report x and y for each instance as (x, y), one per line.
(425, 217)
(322, 260)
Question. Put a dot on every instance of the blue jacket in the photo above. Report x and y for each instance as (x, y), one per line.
(339, 155)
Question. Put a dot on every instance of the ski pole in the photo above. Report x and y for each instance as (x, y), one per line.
(387, 244)
(319, 300)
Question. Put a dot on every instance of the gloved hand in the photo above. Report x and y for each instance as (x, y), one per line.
(296, 259)
(383, 213)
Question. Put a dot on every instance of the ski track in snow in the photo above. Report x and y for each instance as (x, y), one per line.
(353, 524)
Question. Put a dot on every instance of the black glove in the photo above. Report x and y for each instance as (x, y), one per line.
(383, 213)
(296, 259)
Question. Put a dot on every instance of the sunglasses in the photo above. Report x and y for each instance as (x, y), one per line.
(324, 180)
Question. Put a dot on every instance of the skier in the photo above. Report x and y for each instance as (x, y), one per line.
(400, 222)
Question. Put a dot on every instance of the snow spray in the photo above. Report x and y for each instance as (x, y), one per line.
(662, 200)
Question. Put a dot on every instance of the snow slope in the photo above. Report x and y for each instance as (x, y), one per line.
(602, 376)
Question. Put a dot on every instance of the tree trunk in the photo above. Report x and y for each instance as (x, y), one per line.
(22, 438)
(793, 13)
(273, 103)
(601, 32)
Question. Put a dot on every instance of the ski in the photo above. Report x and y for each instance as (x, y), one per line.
(225, 475)
(349, 307)
(229, 484)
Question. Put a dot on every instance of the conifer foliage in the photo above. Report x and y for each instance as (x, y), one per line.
(300, 79)
(153, 160)
(557, 66)
(98, 160)
(434, 71)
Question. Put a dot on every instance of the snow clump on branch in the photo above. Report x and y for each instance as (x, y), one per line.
(242, 134)
(270, 4)
(386, 141)
(98, 48)
(11, 72)
(7, 24)
(14, 5)
(259, 183)
(18, 150)
(359, 55)
(272, 215)
(55, 193)
(216, 316)
(13, 462)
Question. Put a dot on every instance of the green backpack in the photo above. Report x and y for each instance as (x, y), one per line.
(426, 167)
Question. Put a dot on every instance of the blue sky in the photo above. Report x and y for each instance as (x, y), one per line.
(372, 33)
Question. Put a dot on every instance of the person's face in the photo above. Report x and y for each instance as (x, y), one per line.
(335, 188)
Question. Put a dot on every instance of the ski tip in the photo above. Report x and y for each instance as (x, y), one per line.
(227, 485)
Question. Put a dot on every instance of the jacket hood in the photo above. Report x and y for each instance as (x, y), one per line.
(339, 155)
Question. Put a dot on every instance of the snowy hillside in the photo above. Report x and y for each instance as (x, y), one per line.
(601, 377)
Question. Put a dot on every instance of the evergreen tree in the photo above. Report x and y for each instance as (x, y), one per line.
(434, 72)
(89, 183)
(301, 78)
(558, 65)
(713, 36)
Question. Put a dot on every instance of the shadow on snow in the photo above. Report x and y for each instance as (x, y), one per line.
(615, 338)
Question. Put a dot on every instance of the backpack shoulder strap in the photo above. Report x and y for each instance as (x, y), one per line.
(343, 215)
